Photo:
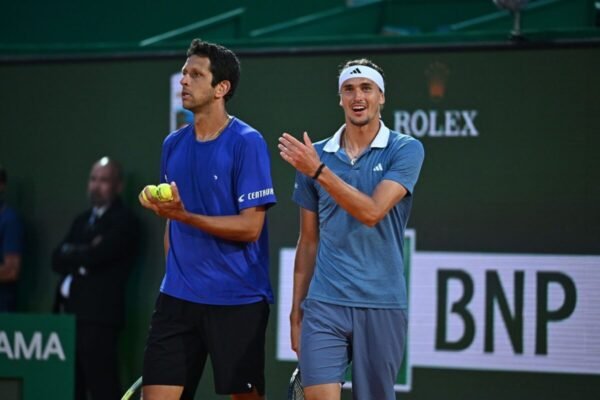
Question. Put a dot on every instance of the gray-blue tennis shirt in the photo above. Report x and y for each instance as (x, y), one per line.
(357, 265)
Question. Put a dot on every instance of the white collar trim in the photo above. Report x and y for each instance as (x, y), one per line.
(380, 141)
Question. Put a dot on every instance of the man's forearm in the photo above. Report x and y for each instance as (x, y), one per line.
(244, 227)
(368, 209)
(356, 203)
(304, 268)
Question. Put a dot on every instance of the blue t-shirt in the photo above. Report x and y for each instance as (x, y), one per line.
(356, 265)
(11, 242)
(11, 232)
(217, 178)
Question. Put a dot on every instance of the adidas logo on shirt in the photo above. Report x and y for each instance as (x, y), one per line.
(355, 71)
(378, 168)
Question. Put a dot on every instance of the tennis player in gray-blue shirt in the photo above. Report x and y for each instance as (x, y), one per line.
(355, 192)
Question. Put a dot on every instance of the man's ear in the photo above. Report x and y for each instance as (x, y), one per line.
(222, 88)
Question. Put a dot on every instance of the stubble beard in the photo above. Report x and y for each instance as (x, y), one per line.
(360, 122)
(197, 106)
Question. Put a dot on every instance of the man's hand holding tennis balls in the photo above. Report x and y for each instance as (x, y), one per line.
(164, 200)
(164, 192)
(149, 191)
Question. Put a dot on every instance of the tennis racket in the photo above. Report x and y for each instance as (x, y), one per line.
(135, 391)
(295, 389)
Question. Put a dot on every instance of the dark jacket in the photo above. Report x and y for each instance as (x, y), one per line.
(100, 258)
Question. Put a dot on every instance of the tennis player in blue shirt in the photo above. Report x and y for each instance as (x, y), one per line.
(215, 295)
(355, 192)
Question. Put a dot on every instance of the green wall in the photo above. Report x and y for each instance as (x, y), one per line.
(114, 23)
(528, 183)
(83, 28)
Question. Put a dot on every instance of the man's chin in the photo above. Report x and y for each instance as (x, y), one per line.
(360, 122)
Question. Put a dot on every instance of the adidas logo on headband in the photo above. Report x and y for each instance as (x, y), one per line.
(363, 72)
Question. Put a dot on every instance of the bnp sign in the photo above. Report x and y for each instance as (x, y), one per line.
(511, 312)
(485, 311)
(37, 356)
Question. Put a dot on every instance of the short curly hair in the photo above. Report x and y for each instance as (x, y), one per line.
(224, 64)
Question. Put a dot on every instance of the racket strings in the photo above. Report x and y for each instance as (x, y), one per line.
(295, 390)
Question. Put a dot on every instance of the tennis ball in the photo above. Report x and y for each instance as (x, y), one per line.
(164, 192)
(153, 189)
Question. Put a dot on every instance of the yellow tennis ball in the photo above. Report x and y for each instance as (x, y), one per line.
(153, 189)
(164, 192)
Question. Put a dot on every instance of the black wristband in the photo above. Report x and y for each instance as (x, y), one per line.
(318, 172)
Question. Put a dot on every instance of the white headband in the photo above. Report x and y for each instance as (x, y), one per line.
(361, 71)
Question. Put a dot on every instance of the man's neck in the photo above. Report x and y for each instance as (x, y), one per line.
(209, 123)
(359, 137)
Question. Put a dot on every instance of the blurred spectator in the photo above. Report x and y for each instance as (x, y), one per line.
(11, 249)
(95, 260)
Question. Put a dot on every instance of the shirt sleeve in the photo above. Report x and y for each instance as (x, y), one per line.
(305, 194)
(406, 164)
(254, 186)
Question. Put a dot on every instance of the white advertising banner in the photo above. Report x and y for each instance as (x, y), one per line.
(178, 116)
(505, 312)
(482, 311)
(284, 304)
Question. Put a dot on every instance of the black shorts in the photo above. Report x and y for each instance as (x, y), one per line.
(182, 335)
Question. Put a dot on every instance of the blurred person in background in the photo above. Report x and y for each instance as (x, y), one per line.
(95, 260)
(11, 249)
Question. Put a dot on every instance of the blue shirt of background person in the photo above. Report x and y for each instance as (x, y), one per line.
(11, 249)
(218, 177)
(349, 250)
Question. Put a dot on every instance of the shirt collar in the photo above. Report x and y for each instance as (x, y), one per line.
(380, 141)
(99, 211)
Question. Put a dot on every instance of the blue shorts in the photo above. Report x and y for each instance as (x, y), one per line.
(334, 336)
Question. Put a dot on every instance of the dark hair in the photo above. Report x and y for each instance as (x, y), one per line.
(361, 61)
(3, 175)
(224, 64)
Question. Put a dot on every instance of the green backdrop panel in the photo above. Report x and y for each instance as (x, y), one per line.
(522, 178)
(37, 356)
